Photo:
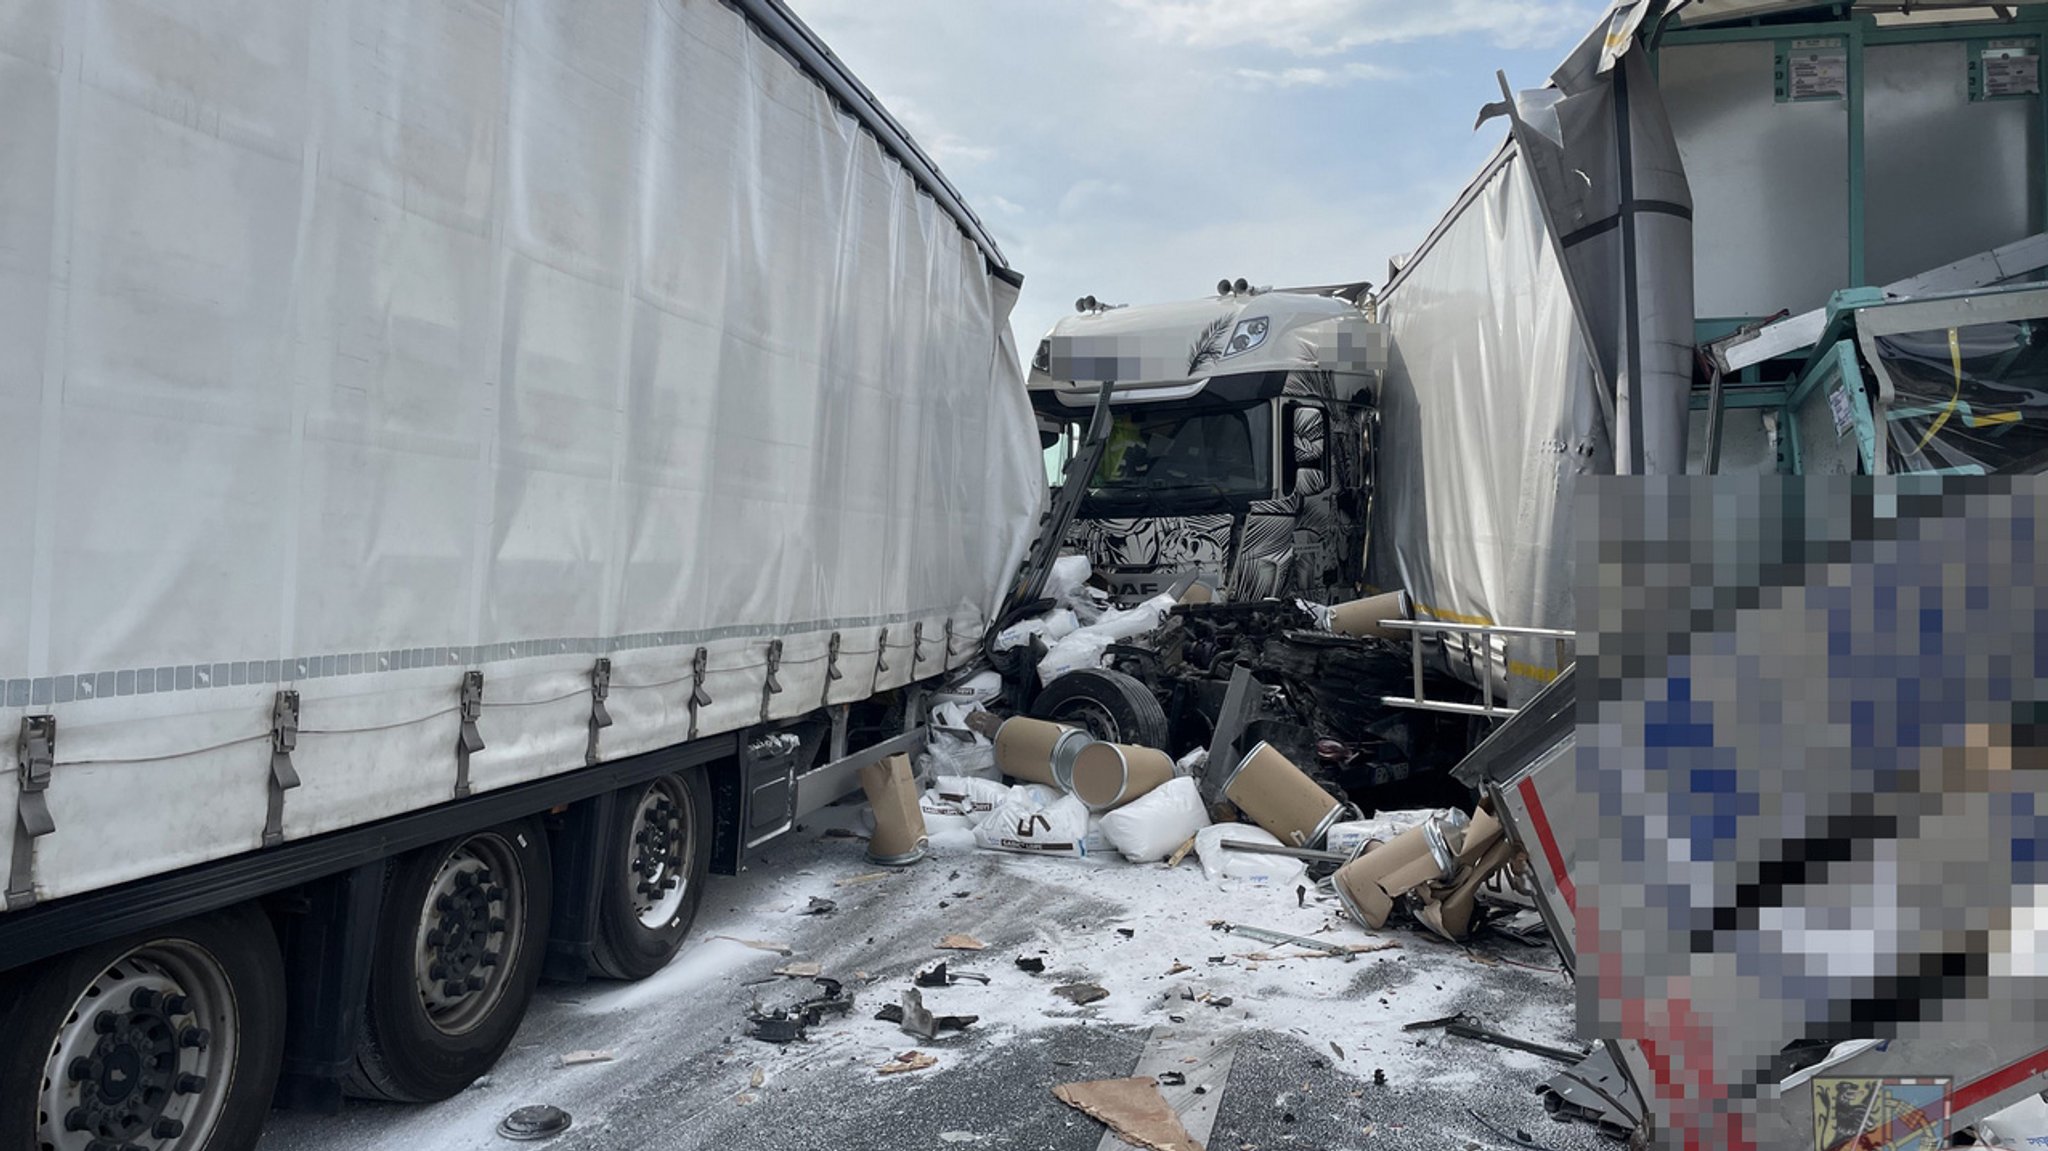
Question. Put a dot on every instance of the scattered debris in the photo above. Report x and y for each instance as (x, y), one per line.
(1080, 994)
(961, 943)
(908, 1061)
(1172, 1079)
(1518, 1138)
(919, 1021)
(1337, 1049)
(844, 833)
(1131, 1108)
(1180, 853)
(1464, 1030)
(1267, 936)
(938, 976)
(788, 1024)
(778, 1026)
(1431, 1024)
(959, 1137)
(802, 970)
(856, 880)
(531, 1123)
(819, 906)
(783, 949)
(890, 1013)
(1218, 1000)
(1031, 963)
(1126, 932)
(579, 1058)
(1379, 1077)
(1341, 950)
(759, 1077)
(1178, 967)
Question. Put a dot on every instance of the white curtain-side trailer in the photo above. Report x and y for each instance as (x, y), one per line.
(470, 471)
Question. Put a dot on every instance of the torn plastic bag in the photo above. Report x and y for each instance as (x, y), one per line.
(1150, 827)
(1220, 865)
(1069, 575)
(1081, 650)
(1054, 625)
(977, 689)
(1037, 795)
(946, 757)
(1191, 763)
(1053, 829)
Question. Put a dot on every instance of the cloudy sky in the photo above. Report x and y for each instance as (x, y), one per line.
(1141, 150)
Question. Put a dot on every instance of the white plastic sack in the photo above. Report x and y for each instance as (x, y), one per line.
(1054, 625)
(1082, 649)
(969, 796)
(950, 718)
(946, 756)
(1323, 614)
(1069, 575)
(1150, 827)
(1040, 796)
(1249, 867)
(1133, 622)
(979, 688)
(1192, 763)
(1020, 825)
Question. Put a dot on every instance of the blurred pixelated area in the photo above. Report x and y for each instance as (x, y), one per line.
(1813, 714)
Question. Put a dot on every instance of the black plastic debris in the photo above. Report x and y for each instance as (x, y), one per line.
(531, 1123)
(1080, 994)
(819, 906)
(1126, 932)
(919, 1021)
(1379, 1077)
(1220, 1001)
(1031, 963)
(938, 976)
(1172, 1079)
(788, 1024)
(890, 1013)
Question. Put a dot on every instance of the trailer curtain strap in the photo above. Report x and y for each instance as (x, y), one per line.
(1608, 224)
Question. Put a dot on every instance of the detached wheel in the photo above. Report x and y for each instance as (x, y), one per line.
(1108, 705)
(458, 952)
(169, 1040)
(654, 874)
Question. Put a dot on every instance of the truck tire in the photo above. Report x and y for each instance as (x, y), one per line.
(170, 1038)
(653, 879)
(1109, 705)
(459, 948)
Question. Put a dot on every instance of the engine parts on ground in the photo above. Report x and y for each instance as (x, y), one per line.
(1108, 775)
(1280, 797)
(899, 838)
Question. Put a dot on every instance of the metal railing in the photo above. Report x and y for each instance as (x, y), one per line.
(1417, 629)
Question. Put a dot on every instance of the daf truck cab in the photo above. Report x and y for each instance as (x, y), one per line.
(1241, 448)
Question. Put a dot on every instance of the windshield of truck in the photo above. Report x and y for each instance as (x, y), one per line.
(1183, 459)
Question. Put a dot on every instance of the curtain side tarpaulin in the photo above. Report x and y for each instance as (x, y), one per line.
(1490, 417)
(351, 348)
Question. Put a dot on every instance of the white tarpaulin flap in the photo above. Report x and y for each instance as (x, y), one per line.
(349, 348)
(1490, 417)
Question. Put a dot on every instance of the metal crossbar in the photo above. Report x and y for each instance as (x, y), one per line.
(1417, 629)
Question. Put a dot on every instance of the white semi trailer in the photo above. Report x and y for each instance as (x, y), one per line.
(467, 472)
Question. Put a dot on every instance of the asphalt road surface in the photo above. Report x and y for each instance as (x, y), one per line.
(1286, 1044)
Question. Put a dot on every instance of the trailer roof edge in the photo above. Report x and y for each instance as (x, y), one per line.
(774, 20)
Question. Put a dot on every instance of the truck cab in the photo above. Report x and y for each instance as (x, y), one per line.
(1241, 446)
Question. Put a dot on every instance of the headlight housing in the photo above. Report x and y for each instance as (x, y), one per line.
(1248, 334)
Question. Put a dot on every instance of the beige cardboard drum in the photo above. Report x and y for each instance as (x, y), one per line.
(1281, 798)
(1110, 775)
(1038, 751)
(899, 837)
(1358, 882)
(1366, 616)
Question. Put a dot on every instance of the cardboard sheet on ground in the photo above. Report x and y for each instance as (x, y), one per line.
(1133, 1108)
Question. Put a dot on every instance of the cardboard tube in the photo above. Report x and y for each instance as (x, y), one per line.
(1024, 749)
(1109, 775)
(1450, 913)
(1364, 616)
(899, 837)
(1479, 836)
(1358, 882)
(1281, 798)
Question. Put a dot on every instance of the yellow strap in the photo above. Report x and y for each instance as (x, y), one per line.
(1955, 359)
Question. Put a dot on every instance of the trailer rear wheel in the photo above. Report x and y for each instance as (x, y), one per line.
(1108, 705)
(170, 1039)
(458, 952)
(653, 880)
